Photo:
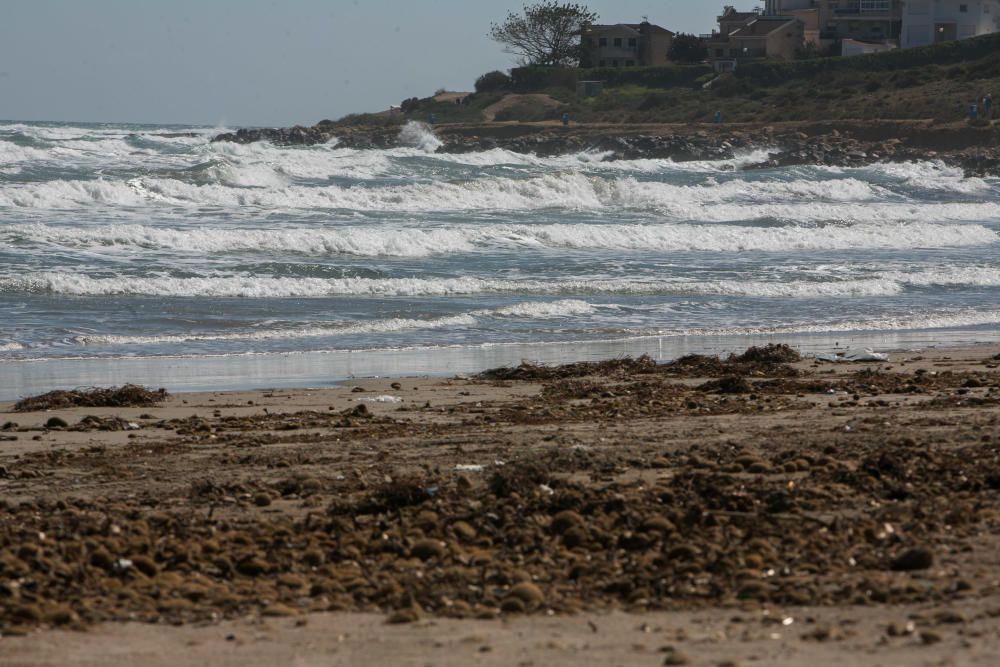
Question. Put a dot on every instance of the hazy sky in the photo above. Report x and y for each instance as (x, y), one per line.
(259, 62)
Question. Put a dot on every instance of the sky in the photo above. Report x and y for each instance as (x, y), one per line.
(260, 62)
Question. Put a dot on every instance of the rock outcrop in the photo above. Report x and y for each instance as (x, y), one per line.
(842, 144)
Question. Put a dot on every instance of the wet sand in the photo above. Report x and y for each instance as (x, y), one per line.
(620, 513)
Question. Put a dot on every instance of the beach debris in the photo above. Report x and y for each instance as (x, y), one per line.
(56, 422)
(674, 656)
(532, 371)
(126, 396)
(912, 559)
(866, 355)
(382, 399)
(773, 353)
(362, 528)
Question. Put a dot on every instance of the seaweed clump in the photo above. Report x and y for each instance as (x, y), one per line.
(529, 371)
(127, 396)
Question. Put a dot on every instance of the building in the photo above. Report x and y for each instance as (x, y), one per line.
(855, 47)
(750, 36)
(625, 45)
(932, 21)
(829, 22)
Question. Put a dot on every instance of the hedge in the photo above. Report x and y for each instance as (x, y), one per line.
(771, 73)
(533, 79)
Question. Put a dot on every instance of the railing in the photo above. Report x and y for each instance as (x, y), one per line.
(867, 8)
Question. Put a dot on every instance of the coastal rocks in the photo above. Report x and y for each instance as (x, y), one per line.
(912, 559)
(825, 145)
(289, 136)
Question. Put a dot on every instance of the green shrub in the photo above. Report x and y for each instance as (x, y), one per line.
(939, 54)
(492, 82)
(537, 79)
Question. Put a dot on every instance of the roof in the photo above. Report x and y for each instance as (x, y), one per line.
(632, 27)
(763, 26)
(731, 14)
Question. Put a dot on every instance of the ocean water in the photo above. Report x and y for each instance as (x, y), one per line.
(130, 254)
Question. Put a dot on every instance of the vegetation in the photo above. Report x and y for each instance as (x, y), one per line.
(546, 33)
(492, 82)
(937, 83)
(687, 49)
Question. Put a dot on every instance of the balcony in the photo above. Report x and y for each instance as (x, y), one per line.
(879, 9)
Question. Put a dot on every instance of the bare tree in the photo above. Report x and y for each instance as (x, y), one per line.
(547, 33)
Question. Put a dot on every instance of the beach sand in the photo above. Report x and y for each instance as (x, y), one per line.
(624, 513)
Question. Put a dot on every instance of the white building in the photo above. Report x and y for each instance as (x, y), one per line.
(932, 21)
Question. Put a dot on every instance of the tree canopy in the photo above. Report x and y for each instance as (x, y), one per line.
(687, 49)
(546, 33)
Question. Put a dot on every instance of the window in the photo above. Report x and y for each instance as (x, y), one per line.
(629, 63)
(614, 63)
(618, 41)
(719, 53)
(603, 63)
(632, 42)
(604, 41)
(964, 9)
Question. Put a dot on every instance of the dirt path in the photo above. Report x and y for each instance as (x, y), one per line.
(491, 112)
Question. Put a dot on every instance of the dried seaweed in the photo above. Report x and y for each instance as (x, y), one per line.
(530, 371)
(127, 396)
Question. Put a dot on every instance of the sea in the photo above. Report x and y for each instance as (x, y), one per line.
(145, 254)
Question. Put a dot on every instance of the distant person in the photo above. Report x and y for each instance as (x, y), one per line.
(565, 118)
(988, 107)
(973, 113)
(718, 117)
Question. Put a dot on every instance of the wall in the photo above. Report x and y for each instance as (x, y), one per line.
(656, 49)
(922, 18)
(611, 53)
(784, 43)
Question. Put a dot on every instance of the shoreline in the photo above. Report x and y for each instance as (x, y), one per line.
(311, 369)
(590, 513)
(975, 149)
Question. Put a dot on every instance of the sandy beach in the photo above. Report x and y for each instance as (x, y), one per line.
(756, 510)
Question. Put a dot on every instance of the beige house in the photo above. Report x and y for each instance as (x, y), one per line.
(759, 37)
(625, 45)
(926, 22)
(829, 22)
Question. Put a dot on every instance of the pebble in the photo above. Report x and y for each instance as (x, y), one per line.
(912, 559)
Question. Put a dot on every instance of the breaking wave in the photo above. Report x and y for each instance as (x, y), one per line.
(531, 310)
(250, 286)
(375, 240)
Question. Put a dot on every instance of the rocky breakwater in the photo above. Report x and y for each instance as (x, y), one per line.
(840, 144)
(280, 136)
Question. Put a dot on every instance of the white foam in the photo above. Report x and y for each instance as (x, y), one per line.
(385, 326)
(914, 322)
(544, 309)
(978, 276)
(382, 399)
(15, 153)
(366, 241)
(392, 240)
(10, 347)
(419, 136)
(248, 286)
(844, 200)
(313, 162)
(531, 311)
